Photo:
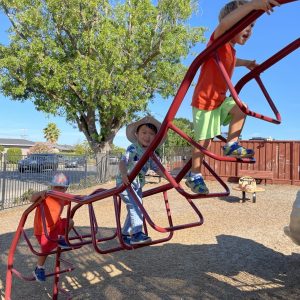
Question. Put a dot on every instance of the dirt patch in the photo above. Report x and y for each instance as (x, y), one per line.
(240, 252)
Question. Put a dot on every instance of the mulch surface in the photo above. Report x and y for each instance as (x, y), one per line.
(240, 252)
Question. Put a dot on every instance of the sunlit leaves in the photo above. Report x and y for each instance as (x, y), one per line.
(96, 62)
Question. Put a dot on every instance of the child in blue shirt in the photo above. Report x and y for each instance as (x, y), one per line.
(141, 134)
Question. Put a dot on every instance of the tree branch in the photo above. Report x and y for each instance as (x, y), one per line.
(13, 23)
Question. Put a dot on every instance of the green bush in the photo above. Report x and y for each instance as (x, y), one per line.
(1, 148)
(89, 181)
(25, 197)
(13, 155)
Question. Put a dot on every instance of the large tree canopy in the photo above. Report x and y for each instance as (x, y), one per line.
(96, 62)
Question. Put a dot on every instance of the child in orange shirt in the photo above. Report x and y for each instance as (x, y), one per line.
(211, 107)
(55, 225)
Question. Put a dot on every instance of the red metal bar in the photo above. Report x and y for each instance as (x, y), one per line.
(167, 123)
(56, 276)
(254, 74)
(203, 56)
(153, 242)
(12, 250)
(10, 268)
(205, 151)
(69, 268)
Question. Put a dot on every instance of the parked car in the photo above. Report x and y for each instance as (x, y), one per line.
(75, 162)
(38, 162)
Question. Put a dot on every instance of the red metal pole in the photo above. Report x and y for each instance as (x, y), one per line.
(12, 251)
(56, 275)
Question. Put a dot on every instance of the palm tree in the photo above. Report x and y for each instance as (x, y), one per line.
(51, 133)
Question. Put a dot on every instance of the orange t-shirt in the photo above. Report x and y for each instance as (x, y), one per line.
(211, 87)
(53, 209)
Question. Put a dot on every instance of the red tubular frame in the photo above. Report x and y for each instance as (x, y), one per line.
(173, 182)
(11, 270)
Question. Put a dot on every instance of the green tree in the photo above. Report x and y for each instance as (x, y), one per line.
(1, 148)
(13, 155)
(175, 141)
(96, 62)
(117, 151)
(51, 133)
(79, 149)
(83, 149)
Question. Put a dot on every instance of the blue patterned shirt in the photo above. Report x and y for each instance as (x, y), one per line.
(133, 154)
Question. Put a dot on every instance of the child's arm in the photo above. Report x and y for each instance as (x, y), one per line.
(243, 10)
(250, 64)
(123, 172)
(36, 196)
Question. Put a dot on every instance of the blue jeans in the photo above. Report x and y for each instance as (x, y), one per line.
(134, 219)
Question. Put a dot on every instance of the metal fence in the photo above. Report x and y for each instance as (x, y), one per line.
(18, 180)
(282, 158)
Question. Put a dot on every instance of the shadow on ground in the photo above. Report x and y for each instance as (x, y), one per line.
(233, 268)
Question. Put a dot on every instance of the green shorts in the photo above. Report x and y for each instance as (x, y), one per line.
(207, 123)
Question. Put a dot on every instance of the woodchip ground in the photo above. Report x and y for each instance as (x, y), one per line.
(240, 252)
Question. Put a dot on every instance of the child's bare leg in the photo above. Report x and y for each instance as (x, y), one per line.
(41, 260)
(195, 180)
(197, 156)
(236, 125)
(232, 148)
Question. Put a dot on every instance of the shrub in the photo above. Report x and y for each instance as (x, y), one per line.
(13, 155)
(41, 148)
(89, 181)
(25, 197)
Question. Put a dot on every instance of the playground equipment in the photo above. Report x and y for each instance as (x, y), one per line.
(247, 184)
(79, 240)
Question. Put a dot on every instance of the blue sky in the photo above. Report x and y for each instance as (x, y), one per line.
(270, 34)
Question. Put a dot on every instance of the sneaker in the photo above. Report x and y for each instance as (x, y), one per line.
(236, 150)
(196, 184)
(139, 238)
(62, 243)
(126, 239)
(39, 274)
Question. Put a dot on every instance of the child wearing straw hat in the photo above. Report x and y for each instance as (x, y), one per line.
(141, 134)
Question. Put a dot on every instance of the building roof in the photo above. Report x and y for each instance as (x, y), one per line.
(16, 142)
(25, 143)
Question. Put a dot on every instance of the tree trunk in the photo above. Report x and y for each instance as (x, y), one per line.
(102, 160)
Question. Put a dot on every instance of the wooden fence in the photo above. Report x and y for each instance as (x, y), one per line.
(279, 158)
(277, 162)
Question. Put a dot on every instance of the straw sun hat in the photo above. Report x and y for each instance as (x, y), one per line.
(132, 128)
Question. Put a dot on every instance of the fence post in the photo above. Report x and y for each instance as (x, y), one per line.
(85, 171)
(3, 182)
(292, 161)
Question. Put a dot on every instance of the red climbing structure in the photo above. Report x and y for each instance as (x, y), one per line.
(77, 240)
